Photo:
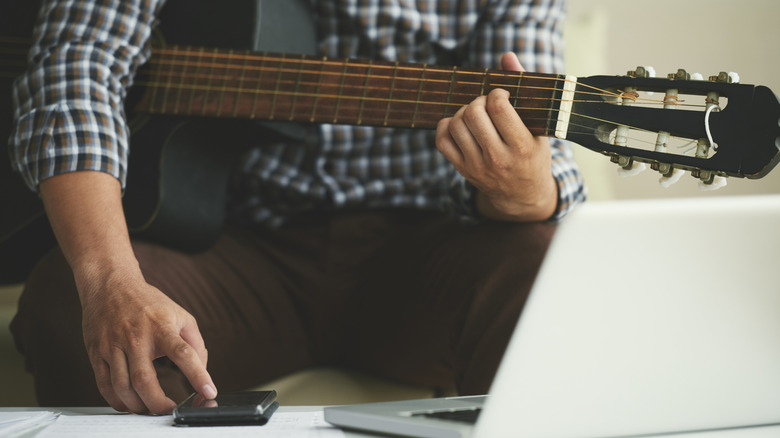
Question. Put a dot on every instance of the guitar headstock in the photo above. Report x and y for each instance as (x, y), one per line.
(713, 127)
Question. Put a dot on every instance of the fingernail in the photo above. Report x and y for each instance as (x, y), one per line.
(209, 392)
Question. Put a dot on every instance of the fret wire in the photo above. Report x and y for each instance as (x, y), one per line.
(276, 89)
(449, 92)
(257, 88)
(484, 80)
(168, 85)
(205, 105)
(153, 97)
(390, 95)
(365, 93)
(554, 89)
(240, 87)
(178, 98)
(341, 91)
(192, 93)
(419, 95)
(297, 89)
(318, 89)
(221, 100)
(517, 90)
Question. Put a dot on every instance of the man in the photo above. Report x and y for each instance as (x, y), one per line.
(360, 247)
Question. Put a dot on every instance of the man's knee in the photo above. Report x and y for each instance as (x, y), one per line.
(47, 330)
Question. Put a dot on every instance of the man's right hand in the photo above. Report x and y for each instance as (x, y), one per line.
(127, 323)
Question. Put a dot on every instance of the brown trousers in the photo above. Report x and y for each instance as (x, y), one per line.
(407, 295)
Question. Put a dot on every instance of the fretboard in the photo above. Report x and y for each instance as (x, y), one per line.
(224, 83)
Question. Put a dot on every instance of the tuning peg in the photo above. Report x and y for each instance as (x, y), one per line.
(666, 181)
(717, 182)
(708, 180)
(669, 175)
(628, 167)
(641, 71)
(635, 169)
(681, 75)
(730, 77)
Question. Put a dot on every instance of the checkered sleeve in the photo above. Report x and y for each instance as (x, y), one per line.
(532, 30)
(68, 106)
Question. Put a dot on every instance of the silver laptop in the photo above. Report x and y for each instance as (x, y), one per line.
(647, 318)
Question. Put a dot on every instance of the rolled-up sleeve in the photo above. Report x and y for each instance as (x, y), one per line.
(532, 30)
(68, 106)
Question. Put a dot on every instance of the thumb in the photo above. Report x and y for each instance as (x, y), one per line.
(509, 61)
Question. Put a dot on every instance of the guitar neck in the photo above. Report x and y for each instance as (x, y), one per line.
(226, 83)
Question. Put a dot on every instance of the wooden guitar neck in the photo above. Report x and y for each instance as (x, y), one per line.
(224, 83)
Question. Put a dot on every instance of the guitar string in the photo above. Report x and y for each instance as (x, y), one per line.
(339, 63)
(265, 57)
(415, 90)
(528, 119)
(438, 113)
(599, 92)
(436, 103)
(246, 56)
(447, 72)
(512, 87)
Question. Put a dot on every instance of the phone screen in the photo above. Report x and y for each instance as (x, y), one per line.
(232, 399)
(246, 407)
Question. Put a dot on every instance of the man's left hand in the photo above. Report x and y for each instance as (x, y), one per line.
(491, 147)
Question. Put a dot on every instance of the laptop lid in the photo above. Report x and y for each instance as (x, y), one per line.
(648, 317)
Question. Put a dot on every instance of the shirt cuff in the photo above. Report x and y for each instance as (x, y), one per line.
(59, 138)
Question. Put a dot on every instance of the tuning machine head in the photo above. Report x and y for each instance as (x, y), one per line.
(681, 75)
(645, 71)
(724, 77)
(728, 78)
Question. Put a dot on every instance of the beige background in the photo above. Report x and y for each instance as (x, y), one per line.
(705, 36)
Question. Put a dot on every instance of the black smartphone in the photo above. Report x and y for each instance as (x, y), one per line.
(228, 409)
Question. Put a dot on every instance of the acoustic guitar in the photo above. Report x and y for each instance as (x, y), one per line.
(709, 127)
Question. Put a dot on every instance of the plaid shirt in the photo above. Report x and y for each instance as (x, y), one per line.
(69, 106)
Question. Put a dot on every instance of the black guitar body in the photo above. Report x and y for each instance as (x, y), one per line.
(24, 231)
(178, 167)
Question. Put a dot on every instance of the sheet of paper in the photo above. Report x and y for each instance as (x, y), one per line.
(13, 424)
(310, 424)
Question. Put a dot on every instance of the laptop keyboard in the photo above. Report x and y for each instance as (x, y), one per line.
(465, 416)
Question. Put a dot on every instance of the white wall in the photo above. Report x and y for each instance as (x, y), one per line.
(706, 36)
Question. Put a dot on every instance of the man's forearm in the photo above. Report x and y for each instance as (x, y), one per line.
(85, 211)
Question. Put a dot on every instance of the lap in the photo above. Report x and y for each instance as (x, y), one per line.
(409, 295)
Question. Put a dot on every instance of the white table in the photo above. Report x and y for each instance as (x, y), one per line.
(752, 432)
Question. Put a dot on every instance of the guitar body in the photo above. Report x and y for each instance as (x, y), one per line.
(178, 169)
(24, 231)
(179, 166)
